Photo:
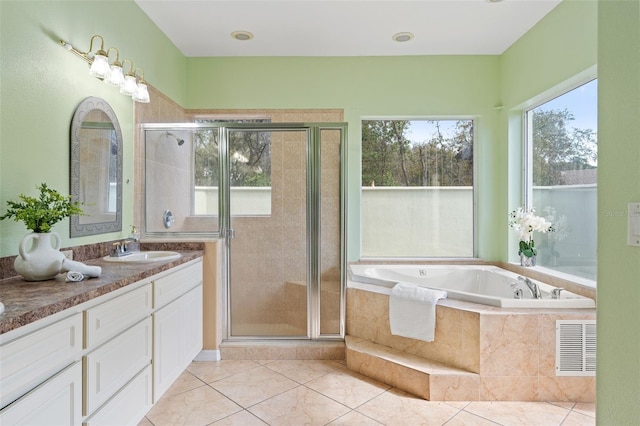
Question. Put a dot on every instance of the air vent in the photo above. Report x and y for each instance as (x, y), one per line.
(575, 348)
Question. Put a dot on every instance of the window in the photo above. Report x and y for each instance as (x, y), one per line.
(417, 188)
(561, 179)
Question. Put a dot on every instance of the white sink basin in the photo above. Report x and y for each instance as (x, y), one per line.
(144, 256)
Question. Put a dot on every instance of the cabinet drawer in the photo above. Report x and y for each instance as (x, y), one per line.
(29, 360)
(109, 318)
(171, 286)
(113, 364)
(128, 406)
(56, 402)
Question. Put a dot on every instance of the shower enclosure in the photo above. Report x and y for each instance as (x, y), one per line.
(276, 194)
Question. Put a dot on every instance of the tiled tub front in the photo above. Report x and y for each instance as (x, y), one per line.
(513, 350)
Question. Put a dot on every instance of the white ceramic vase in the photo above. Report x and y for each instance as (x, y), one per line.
(43, 260)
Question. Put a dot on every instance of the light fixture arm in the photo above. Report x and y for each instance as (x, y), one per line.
(141, 76)
(117, 60)
(131, 69)
(101, 50)
(80, 54)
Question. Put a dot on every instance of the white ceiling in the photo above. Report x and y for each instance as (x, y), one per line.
(344, 27)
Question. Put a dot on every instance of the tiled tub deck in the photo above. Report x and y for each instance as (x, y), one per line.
(479, 352)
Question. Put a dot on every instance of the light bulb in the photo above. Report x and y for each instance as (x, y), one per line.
(99, 66)
(141, 94)
(116, 76)
(129, 86)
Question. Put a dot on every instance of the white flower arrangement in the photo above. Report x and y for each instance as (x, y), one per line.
(525, 223)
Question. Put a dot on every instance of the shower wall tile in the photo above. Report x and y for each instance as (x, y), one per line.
(293, 182)
(165, 188)
(277, 190)
(295, 213)
(161, 109)
(331, 116)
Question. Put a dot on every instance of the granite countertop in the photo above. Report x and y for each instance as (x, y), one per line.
(26, 302)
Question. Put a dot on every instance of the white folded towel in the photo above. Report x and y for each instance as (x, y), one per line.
(87, 270)
(412, 311)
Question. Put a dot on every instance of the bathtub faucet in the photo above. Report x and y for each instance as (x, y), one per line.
(533, 287)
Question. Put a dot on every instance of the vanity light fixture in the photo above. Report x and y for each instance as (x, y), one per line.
(113, 73)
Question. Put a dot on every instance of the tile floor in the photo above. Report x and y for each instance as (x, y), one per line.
(293, 392)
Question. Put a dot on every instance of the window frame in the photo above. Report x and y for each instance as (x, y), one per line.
(474, 249)
(527, 157)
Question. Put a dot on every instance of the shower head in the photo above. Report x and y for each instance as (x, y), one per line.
(180, 141)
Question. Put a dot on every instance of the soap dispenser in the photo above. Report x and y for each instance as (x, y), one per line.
(135, 236)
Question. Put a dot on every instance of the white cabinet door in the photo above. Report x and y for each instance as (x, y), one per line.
(166, 348)
(58, 401)
(177, 339)
(191, 334)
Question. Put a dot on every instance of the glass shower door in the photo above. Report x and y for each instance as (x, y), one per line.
(268, 253)
(284, 230)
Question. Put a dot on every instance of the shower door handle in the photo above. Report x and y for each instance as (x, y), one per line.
(230, 234)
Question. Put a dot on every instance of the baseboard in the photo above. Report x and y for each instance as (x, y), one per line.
(208, 355)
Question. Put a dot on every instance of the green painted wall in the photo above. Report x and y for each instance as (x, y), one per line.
(364, 87)
(560, 51)
(41, 84)
(618, 368)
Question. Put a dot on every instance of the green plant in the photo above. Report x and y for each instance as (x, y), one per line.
(40, 214)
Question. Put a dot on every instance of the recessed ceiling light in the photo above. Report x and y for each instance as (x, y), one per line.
(242, 35)
(402, 37)
(494, 1)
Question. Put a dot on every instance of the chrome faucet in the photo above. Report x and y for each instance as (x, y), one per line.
(533, 287)
(120, 247)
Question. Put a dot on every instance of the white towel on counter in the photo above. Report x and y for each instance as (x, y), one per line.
(74, 276)
(412, 311)
(86, 270)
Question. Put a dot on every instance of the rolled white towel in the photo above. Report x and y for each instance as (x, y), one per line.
(74, 276)
(89, 271)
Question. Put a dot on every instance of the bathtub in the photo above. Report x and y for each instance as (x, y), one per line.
(483, 284)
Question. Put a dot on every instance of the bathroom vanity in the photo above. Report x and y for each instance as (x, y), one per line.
(102, 351)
